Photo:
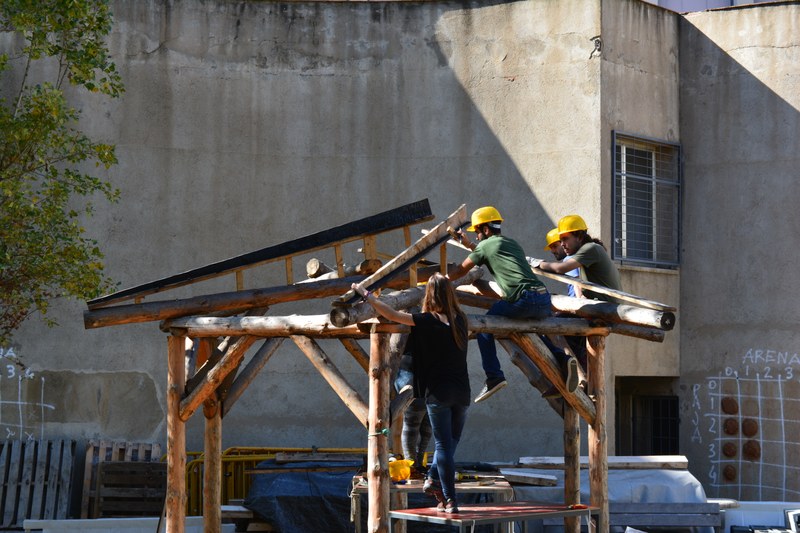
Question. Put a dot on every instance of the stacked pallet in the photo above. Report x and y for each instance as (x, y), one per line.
(123, 479)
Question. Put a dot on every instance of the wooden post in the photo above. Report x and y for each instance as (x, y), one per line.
(598, 446)
(176, 436)
(212, 469)
(377, 441)
(572, 465)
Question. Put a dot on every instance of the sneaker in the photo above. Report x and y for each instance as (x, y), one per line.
(405, 388)
(490, 387)
(450, 506)
(434, 488)
(572, 377)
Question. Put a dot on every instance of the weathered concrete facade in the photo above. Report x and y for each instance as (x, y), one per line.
(247, 124)
(740, 129)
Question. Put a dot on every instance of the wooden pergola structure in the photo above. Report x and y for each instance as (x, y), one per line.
(224, 326)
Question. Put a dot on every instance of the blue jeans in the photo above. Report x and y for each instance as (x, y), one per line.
(530, 305)
(447, 422)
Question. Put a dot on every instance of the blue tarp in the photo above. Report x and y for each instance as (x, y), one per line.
(305, 502)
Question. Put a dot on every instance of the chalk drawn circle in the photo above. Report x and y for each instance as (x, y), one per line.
(729, 406)
(729, 473)
(749, 427)
(731, 426)
(751, 450)
(729, 449)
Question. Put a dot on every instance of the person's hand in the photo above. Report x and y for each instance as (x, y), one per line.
(361, 291)
(533, 262)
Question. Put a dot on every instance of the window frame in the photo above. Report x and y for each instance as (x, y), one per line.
(620, 176)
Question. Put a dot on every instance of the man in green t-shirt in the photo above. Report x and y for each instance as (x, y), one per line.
(524, 295)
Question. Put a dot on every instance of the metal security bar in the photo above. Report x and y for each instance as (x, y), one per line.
(647, 181)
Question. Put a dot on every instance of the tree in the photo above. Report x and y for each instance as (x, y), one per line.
(46, 188)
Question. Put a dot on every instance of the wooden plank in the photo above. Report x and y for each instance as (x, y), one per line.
(621, 462)
(528, 478)
(615, 294)
(12, 481)
(26, 480)
(412, 213)
(66, 464)
(410, 255)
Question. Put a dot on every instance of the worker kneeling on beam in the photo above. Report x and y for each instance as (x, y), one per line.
(524, 295)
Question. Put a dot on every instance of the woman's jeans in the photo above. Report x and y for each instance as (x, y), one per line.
(531, 304)
(447, 422)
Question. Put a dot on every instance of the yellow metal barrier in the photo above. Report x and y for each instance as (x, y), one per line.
(235, 464)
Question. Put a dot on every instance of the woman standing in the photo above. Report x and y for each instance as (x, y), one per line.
(438, 344)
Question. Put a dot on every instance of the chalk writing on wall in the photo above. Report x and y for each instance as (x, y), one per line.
(747, 420)
(21, 418)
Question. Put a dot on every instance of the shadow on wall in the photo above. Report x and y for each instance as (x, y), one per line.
(740, 126)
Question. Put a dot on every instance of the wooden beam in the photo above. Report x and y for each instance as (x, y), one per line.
(598, 445)
(358, 353)
(351, 398)
(534, 375)
(378, 438)
(212, 466)
(535, 348)
(320, 326)
(613, 312)
(176, 437)
(233, 302)
(399, 217)
(615, 462)
(619, 296)
(572, 463)
(409, 256)
(250, 372)
(229, 362)
(343, 315)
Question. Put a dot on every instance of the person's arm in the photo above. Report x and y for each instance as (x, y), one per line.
(461, 269)
(401, 317)
(560, 267)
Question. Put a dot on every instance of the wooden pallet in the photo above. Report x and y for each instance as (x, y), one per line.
(130, 489)
(36, 477)
(102, 451)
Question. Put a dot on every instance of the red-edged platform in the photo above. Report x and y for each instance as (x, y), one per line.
(493, 513)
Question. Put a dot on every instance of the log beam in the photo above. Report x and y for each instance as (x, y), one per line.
(175, 505)
(229, 362)
(598, 445)
(527, 367)
(534, 348)
(342, 316)
(320, 326)
(358, 353)
(250, 372)
(612, 312)
(351, 398)
(378, 438)
(572, 466)
(212, 467)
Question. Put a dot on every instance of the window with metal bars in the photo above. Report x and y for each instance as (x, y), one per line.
(647, 182)
(655, 425)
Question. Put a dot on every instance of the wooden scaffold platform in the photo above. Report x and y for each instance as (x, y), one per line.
(223, 327)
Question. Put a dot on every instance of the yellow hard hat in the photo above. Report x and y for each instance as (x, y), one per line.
(400, 469)
(552, 237)
(571, 223)
(483, 215)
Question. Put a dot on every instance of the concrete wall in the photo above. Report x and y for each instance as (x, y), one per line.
(247, 124)
(640, 96)
(740, 125)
